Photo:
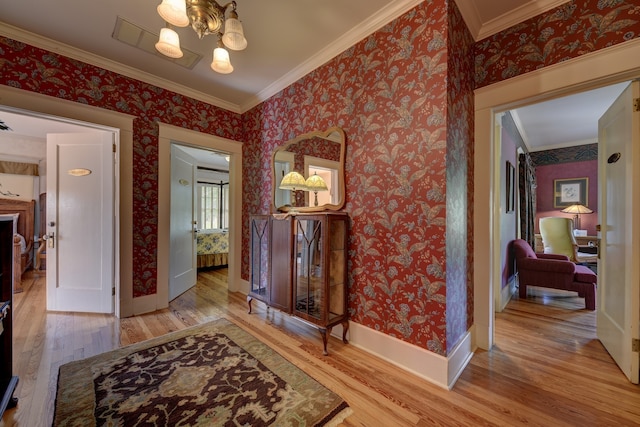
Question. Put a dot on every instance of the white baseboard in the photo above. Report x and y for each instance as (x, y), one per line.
(145, 304)
(507, 292)
(437, 369)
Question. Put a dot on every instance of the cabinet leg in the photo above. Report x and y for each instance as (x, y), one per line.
(345, 328)
(324, 333)
(249, 299)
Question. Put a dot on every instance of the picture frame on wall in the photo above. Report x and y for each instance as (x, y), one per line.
(569, 192)
(510, 191)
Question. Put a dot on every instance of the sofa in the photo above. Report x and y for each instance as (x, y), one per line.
(553, 271)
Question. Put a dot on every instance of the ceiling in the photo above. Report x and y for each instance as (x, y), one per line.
(286, 40)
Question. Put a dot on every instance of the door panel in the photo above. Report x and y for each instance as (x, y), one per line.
(80, 222)
(618, 307)
(183, 259)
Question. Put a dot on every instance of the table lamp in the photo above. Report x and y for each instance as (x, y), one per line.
(315, 183)
(577, 210)
(293, 181)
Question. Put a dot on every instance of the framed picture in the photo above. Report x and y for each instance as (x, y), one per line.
(510, 193)
(569, 192)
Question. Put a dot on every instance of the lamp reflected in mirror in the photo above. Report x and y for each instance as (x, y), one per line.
(293, 181)
(316, 152)
(315, 183)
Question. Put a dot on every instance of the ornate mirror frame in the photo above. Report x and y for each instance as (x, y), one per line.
(333, 134)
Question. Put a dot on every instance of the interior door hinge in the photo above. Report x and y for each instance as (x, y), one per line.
(113, 292)
(635, 345)
(114, 148)
(636, 104)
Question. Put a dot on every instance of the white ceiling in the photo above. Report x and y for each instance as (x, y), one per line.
(286, 40)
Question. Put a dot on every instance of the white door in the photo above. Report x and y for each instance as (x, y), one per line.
(183, 226)
(618, 304)
(80, 222)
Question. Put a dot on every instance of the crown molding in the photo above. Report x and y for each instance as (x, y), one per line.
(344, 42)
(480, 30)
(41, 42)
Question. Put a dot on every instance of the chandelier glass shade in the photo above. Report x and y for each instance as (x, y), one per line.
(221, 62)
(169, 43)
(205, 17)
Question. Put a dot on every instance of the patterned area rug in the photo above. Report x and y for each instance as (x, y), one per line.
(208, 375)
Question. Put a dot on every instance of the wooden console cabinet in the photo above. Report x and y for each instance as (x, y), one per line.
(299, 265)
(8, 381)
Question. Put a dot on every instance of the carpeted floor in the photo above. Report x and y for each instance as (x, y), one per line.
(214, 374)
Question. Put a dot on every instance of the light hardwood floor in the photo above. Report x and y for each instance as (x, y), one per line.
(547, 368)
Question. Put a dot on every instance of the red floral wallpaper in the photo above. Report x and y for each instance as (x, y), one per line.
(25, 67)
(459, 273)
(403, 95)
(568, 31)
(389, 94)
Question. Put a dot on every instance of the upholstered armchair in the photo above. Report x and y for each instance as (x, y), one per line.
(553, 271)
(557, 237)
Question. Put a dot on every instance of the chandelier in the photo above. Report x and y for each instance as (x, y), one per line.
(205, 17)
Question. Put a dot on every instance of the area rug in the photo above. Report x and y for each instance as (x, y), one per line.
(213, 374)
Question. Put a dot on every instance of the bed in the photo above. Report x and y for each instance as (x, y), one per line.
(24, 224)
(213, 248)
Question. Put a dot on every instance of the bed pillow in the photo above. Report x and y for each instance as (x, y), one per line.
(15, 217)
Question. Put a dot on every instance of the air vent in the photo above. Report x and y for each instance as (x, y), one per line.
(131, 34)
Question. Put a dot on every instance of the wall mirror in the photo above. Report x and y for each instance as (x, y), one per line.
(319, 153)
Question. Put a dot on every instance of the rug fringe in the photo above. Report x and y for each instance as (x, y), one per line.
(339, 418)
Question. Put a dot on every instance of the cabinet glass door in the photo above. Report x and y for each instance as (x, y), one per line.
(337, 265)
(309, 280)
(260, 257)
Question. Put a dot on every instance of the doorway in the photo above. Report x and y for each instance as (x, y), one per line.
(169, 135)
(199, 223)
(73, 233)
(601, 68)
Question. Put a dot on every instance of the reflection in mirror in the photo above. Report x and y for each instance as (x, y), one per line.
(320, 153)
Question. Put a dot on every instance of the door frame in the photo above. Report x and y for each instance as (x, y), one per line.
(167, 135)
(601, 68)
(85, 115)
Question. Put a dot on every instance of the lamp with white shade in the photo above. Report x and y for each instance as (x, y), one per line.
(293, 181)
(577, 210)
(315, 183)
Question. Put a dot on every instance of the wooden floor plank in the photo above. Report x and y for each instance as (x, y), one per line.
(546, 369)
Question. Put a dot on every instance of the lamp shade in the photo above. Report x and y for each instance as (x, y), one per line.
(174, 12)
(169, 43)
(577, 209)
(233, 37)
(221, 63)
(293, 181)
(316, 183)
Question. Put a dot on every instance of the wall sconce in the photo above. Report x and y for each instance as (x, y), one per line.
(577, 210)
(315, 183)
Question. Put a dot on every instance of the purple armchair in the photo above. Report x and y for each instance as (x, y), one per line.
(553, 271)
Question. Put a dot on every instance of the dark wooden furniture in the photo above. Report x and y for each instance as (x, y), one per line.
(299, 265)
(26, 223)
(8, 381)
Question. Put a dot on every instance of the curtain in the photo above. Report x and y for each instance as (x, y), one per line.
(17, 168)
(527, 187)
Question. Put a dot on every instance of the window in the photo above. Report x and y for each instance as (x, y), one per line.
(213, 205)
